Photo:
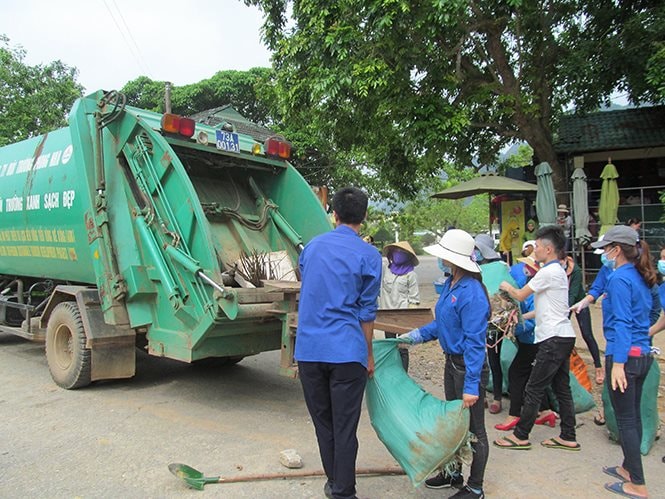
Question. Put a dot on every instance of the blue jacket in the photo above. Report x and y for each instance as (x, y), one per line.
(525, 331)
(461, 326)
(626, 313)
(341, 279)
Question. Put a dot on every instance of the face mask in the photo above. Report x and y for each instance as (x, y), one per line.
(610, 264)
(478, 256)
(443, 267)
(661, 266)
(400, 257)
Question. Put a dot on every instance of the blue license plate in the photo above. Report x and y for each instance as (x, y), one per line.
(227, 141)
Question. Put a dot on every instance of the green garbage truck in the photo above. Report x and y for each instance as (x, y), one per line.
(132, 228)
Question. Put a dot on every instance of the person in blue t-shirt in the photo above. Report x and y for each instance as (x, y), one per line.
(341, 278)
(527, 348)
(659, 325)
(461, 312)
(626, 309)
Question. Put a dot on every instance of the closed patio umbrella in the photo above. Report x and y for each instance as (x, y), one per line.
(545, 200)
(581, 207)
(609, 198)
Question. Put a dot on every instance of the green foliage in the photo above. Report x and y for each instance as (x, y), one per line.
(521, 158)
(241, 88)
(403, 87)
(33, 99)
(428, 217)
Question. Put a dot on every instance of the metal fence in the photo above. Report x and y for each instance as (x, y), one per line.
(635, 202)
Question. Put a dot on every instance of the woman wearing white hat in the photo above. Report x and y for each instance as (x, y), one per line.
(399, 283)
(462, 312)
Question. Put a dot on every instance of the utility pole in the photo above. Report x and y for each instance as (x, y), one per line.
(167, 97)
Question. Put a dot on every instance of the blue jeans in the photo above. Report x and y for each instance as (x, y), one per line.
(453, 386)
(552, 366)
(626, 407)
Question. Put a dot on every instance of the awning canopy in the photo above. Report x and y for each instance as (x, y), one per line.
(493, 184)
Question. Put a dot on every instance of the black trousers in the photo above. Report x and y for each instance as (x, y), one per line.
(494, 360)
(334, 395)
(584, 322)
(552, 365)
(453, 387)
(518, 376)
(627, 410)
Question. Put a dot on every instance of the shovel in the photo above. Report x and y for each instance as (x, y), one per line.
(195, 479)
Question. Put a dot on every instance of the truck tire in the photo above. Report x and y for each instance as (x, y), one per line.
(67, 357)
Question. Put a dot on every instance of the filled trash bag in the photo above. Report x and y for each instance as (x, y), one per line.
(422, 432)
(582, 399)
(648, 410)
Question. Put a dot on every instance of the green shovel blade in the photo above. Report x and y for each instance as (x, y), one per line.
(191, 476)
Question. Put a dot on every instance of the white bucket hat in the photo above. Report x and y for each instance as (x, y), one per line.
(456, 246)
(599, 251)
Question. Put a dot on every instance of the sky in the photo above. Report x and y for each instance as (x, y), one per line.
(112, 42)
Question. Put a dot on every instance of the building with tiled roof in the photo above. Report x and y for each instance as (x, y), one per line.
(227, 114)
(634, 141)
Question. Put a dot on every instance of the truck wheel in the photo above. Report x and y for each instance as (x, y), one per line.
(68, 358)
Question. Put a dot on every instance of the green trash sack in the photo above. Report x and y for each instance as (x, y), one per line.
(422, 432)
(648, 410)
(582, 399)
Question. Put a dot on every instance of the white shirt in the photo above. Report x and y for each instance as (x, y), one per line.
(550, 285)
(398, 291)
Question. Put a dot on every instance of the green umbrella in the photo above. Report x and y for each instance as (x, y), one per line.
(545, 200)
(494, 184)
(581, 206)
(609, 198)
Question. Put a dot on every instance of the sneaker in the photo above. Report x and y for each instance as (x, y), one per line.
(442, 481)
(467, 493)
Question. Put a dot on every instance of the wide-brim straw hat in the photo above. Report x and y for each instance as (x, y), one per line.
(456, 246)
(563, 208)
(530, 262)
(404, 246)
(485, 245)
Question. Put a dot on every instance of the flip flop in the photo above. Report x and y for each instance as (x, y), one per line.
(512, 444)
(612, 471)
(553, 443)
(617, 488)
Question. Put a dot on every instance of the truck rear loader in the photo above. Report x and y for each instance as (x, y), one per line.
(131, 228)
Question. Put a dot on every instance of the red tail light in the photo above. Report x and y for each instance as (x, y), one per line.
(187, 127)
(172, 123)
(277, 147)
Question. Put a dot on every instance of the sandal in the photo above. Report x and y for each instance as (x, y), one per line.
(617, 488)
(509, 443)
(613, 471)
(555, 443)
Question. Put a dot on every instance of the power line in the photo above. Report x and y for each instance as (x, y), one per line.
(124, 37)
(129, 32)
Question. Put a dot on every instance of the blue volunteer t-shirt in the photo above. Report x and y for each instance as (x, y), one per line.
(341, 279)
(462, 313)
(626, 313)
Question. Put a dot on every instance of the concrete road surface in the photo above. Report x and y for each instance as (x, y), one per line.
(115, 439)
